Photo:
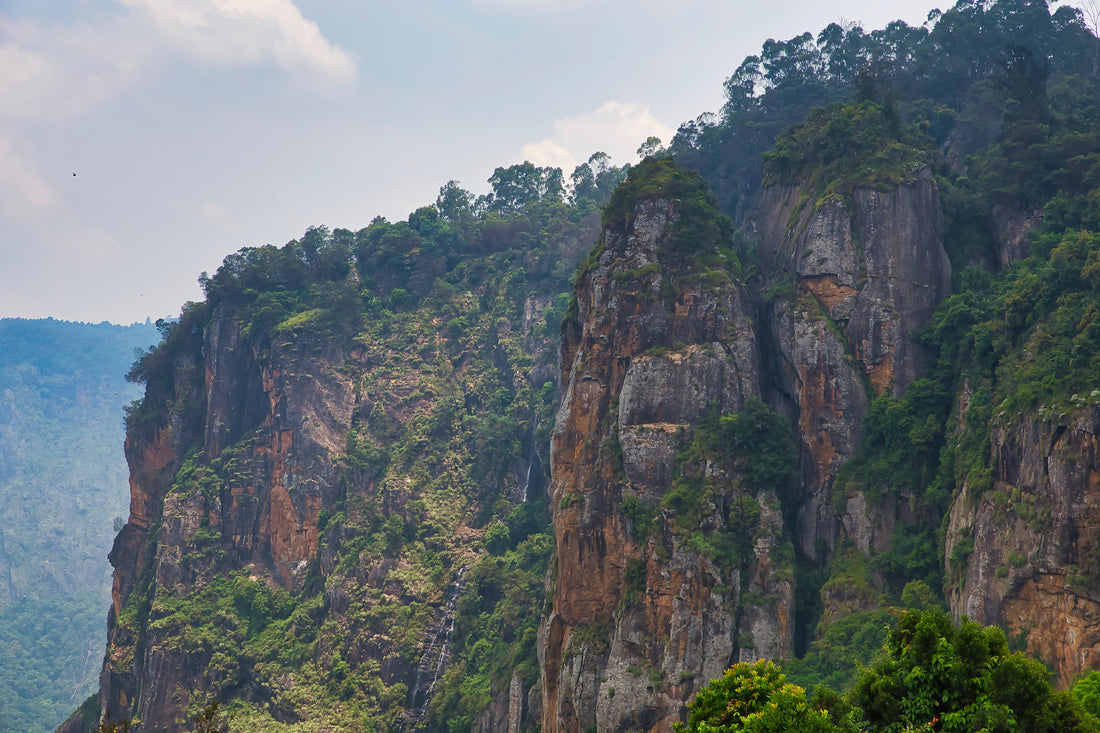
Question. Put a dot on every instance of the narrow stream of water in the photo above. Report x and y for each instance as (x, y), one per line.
(437, 651)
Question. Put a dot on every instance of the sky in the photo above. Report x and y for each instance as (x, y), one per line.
(141, 141)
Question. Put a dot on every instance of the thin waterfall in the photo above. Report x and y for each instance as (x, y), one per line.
(437, 651)
(532, 456)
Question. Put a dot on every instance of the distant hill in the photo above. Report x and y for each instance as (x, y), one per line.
(63, 483)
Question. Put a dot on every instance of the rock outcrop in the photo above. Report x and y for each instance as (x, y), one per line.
(850, 279)
(312, 486)
(281, 418)
(640, 616)
(642, 613)
(1010, 227)
(1023, 554)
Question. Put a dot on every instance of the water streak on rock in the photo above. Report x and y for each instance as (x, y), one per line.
(437, 651)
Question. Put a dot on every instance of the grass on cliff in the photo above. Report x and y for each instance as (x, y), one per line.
(755, 452)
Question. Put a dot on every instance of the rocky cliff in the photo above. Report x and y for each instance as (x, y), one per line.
(257, 476)
(850, 279)
(1022, 552)
(638, 614)
(641, 603)
(329, 511)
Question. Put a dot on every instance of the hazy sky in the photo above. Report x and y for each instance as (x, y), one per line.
(197, 127)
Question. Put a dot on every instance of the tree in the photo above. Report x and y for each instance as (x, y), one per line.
(1023, 80)
(651, 147)
(454, 203)
(960, 679)
(519, 185)
(757, 698)
(1087, 690)
(596, 180)
(1090, 15)
(210, 721)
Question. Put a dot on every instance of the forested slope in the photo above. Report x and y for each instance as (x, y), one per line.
(63, 493)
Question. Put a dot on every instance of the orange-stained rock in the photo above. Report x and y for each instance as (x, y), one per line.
(850, 280)
(1034, 568)
(283, 410)
(640, 621)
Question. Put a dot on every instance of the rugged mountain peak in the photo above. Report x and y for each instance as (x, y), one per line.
(661, 339)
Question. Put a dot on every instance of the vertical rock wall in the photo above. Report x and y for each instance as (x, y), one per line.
(850, 278)
(1024, 553)
(280, 413)
(639, 619)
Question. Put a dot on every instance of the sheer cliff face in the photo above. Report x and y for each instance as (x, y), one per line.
(641, 618)
(850, 281)
(638, 618)
(285, 413)
(1023, 554)
(309, 503)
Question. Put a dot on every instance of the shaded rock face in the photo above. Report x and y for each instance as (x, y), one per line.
(850, 281)
(290, 405)
(1011, 225)
(506, 713)
(639, 620)
(153, 449)
(1024, 554)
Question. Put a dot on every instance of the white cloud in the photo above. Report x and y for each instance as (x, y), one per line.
(55, 71)
(230, 32)
(52, 71)
(215, 213)
(615, 128)
(23, 193)
(550, 152)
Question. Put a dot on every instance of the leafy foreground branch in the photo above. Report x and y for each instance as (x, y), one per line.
(933, 676)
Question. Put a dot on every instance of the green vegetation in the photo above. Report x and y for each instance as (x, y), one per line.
(1045, 304)
(64, 492)
(754, 453)
(902, 454)
(951, 77)
(839, 147)
(495, 629)
(753, 697)
(843, 646)
(931, 675)
(963, 679)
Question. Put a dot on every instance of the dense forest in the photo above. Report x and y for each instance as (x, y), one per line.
(443, 332)
(63, 492)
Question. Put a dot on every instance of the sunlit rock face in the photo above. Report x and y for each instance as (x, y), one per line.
(284, 410)
(639, 620)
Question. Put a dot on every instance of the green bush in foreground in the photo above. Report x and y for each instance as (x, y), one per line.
(934, 676)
